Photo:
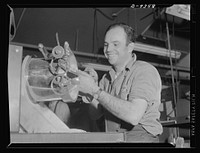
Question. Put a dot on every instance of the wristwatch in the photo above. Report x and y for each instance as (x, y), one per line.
(96, 94)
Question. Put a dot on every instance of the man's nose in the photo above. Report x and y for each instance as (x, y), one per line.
(108, 48)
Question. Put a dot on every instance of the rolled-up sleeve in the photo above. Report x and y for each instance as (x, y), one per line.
(146, 84)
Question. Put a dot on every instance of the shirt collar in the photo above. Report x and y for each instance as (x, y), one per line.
(131, 62)
(127, 67)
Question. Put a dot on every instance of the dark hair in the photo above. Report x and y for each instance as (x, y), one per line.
(130, 32)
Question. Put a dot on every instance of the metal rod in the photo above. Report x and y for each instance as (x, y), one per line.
(173, 84)
(24, 9)
(171, 64)
(57, 39)
(76, 40)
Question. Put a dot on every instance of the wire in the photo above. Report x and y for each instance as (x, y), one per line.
(128, 16)
(109, 18)
(95, 28)
(177, 76)
(135, 21)
(97, 38)
(20, 18)
(177, 79)
(93, 35)
(171, 65)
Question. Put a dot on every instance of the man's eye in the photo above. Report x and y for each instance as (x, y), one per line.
(115, 45)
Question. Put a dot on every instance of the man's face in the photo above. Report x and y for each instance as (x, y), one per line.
(115, 46)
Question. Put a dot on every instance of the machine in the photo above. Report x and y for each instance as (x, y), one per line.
(32, 82)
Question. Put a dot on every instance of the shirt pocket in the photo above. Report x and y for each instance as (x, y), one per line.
(123, 93)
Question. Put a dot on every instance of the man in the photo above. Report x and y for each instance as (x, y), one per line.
(129, 94)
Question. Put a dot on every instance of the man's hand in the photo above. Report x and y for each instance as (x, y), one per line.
(92, 73)
(87, 83)
(87, 98)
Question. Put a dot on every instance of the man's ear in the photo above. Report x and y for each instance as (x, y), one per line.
(131, 46)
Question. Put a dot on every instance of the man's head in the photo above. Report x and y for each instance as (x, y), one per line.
(119, 43)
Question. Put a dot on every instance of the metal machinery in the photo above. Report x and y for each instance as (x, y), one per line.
(33, 81)
(53, 77)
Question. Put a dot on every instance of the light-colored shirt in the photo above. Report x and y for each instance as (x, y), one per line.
(140, 80)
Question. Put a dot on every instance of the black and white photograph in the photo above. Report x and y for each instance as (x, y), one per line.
(101, 76)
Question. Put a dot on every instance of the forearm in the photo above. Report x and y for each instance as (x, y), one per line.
(124, 110)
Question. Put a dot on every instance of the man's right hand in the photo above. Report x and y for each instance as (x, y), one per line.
(92, 73)
(88, 80)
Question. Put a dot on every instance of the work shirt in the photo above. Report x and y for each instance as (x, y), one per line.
(141, 80)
